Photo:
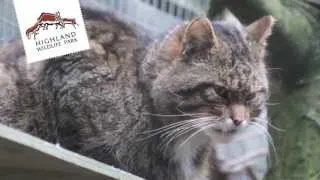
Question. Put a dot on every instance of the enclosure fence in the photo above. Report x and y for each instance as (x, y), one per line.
(8, 23)
(156, 16)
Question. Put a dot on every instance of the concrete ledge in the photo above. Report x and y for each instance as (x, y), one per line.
(24, 157)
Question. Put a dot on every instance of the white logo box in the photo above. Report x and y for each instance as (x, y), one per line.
(51, 28)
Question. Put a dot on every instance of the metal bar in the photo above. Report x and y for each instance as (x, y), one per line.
(163, 5)
(179, 12)
(9, 22)
(171, 8)
(156, 4)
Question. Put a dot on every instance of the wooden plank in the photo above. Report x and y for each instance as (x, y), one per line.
(26, 157)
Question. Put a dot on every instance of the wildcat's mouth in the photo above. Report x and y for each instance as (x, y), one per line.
(224, 131)
(228, 126)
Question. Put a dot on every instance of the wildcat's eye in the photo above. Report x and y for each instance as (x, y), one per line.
(221, 91)
(184, 92)
(255, 113)
(251, 96)
(208, 94)
(191, 91)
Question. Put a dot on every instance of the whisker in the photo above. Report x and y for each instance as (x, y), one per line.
(170, 127)
(270, 139)
(273, 104)
(175, 115)
(187, 126)
(195, 133)
(274, 68)
(181, 132)
(263, 128)
(269, 124)
(191, 124)
(203, 123)
(276, 128)
(174, 131)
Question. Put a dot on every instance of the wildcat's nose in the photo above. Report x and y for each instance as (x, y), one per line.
(236, 122)
(239, 113)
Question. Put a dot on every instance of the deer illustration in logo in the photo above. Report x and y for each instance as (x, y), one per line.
(71, 21)
(47, 19)
(33, 30)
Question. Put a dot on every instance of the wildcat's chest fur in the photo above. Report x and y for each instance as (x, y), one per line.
(192, 157)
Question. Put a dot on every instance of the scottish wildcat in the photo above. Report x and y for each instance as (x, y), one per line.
(157, 112)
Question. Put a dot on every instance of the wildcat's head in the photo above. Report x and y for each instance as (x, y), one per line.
(211, 71)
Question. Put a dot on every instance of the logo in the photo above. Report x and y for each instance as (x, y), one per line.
(51, 29)
(47, 19)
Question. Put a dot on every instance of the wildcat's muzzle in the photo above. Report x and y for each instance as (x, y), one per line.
(239, 113)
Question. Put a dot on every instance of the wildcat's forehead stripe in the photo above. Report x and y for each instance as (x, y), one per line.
(233, 36)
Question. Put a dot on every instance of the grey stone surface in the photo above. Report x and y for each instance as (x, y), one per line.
(23, 157)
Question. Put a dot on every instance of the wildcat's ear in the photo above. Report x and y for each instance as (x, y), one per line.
(172, 44)
(187, 38)
(199, 35)
(261, 29)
